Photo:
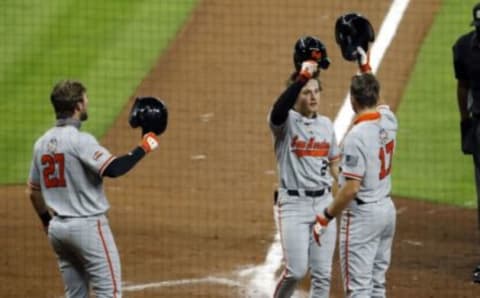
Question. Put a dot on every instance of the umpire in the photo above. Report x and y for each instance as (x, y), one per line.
(466, 61)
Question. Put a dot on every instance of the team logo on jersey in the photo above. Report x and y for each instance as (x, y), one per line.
(383, 134)
(97, 155)
(311, 147)
(52, 145)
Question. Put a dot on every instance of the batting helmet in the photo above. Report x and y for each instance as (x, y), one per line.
(310, 48)
(150, 114)
(351, 31)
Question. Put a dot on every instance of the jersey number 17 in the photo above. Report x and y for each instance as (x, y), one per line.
(386, 150)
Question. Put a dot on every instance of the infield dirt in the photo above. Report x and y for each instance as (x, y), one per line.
(202, 204)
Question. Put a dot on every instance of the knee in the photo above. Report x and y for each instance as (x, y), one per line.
(297, 273)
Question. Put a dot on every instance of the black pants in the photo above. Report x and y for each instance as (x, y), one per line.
(476, 161)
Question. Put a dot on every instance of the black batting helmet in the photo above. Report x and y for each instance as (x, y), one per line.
(310, 48)
(351, 31)
(150, 114)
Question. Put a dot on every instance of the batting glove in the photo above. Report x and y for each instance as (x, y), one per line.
(321, 223)
(149, 142)
(363, 60)
(308, 69)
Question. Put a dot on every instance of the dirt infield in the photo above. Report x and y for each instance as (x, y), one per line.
(192, 214)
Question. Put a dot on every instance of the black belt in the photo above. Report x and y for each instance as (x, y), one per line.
(360, 202)
(67, 217)
(309, 193)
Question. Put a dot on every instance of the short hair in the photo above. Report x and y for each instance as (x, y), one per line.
(365, 88)
(64, 97)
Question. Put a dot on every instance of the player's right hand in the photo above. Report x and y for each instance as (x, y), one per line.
(149, 142)
(308, 69)
(319, 227)
(363, 60)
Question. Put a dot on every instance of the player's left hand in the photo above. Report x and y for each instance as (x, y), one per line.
(319, 227)
(363, 60)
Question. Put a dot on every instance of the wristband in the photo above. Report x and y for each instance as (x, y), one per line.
(327, 215)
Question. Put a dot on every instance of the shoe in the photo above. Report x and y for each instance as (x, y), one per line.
(476, 274)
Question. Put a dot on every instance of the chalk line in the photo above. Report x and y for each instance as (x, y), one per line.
(182, 282)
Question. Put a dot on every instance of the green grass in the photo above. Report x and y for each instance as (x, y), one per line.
(429, 163)
(110, 45)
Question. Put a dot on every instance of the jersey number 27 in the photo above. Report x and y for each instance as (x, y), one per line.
(54, 170)
(387, 150)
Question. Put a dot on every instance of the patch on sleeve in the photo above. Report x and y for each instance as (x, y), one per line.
(97, 155)
(351, 161)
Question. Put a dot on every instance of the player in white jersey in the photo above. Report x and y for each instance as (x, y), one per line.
(307, 159)
(368, 223)
(66, 190)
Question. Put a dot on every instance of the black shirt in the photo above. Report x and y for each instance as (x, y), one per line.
(466, 61)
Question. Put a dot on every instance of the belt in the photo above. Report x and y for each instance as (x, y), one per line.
(309, 193)
(80, 216)
(360, 202)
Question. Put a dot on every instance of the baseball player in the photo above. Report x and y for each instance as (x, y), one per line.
(66, 190)
(368, 223)
(307, 159)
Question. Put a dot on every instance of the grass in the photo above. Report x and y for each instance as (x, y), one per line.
(429, 163)
(109, 45)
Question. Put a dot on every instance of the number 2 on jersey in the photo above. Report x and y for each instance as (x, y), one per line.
(52, 177)
(387, 150)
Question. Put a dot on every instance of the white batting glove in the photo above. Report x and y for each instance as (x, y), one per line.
(308, 69)
(319, 227)
(363, 60)
(149, 142)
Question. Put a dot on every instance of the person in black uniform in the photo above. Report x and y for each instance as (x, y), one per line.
(466, 61)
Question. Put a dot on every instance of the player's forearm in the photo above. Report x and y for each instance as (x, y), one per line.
(285, 102)
(37, 201)
(121, 165)
(40, 207)
(462, 96)
(334, 169)
(345, 195)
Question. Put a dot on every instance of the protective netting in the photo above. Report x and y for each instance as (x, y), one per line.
(194, 218)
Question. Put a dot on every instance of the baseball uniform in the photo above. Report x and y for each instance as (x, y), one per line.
(67, 168)
(368, 224)
(304, 148)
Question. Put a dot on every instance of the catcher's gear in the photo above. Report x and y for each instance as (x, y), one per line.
(351, 31)
(310, 48)
(150, 114)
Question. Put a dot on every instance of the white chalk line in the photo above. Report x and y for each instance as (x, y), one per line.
(262, 278)
(182, 282)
